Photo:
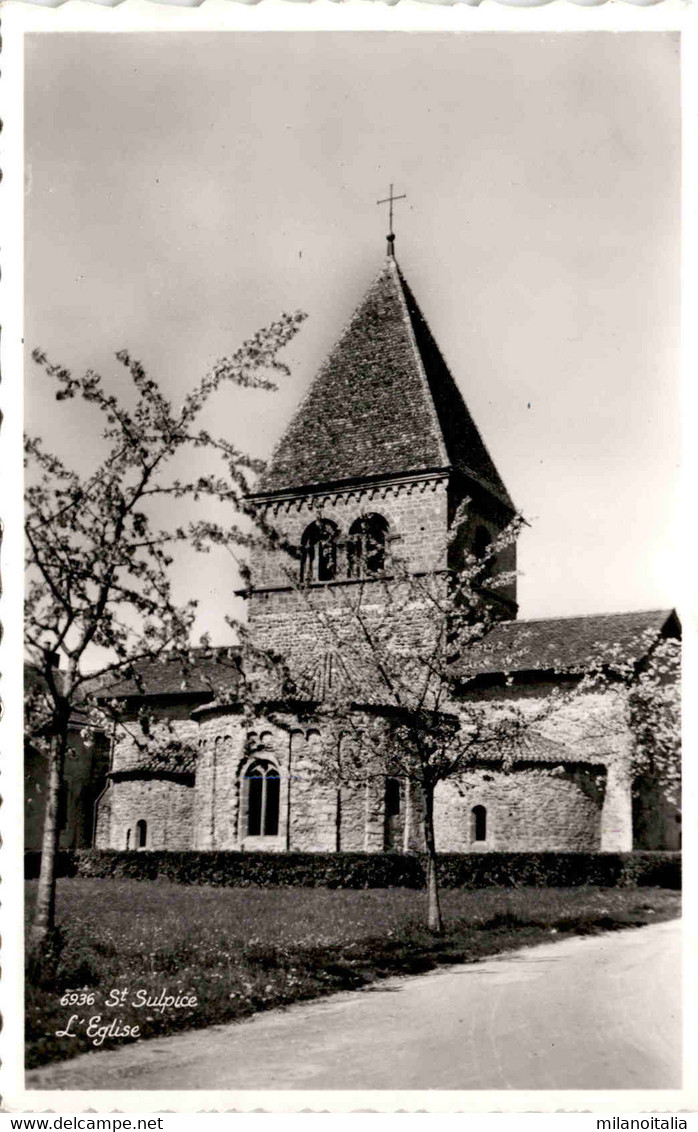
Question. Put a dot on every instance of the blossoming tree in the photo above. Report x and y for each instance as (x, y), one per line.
(99, 598)
(402, 700)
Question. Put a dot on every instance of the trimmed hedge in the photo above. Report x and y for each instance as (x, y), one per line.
(370, 870)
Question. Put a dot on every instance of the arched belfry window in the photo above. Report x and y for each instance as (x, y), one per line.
(366, 546)
(319, 551)
(478, 823)
(141, 834)
(263, 788)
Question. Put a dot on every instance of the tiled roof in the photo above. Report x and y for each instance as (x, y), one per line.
(147, 763)
(209, 670)
(567, 642)
(383, 403)
(539, 749)
(464, 445)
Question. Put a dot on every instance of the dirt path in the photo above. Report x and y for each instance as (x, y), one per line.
(600, 1012)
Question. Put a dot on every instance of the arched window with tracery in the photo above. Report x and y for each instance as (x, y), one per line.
(478, 823)
(366, 546)
(141, 834)
(319, 551)
(263, 785)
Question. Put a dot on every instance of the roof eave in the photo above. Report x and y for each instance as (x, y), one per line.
(351, 483)
(185, 694)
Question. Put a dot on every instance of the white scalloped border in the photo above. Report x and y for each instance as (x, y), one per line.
(522, 5)
(359, 15)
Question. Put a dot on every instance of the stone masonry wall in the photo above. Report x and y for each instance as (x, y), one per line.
(313, 816)
(590, 728)
(167, 807)
(327, 630)
(417, 515)
(531, 807)
(289, 622)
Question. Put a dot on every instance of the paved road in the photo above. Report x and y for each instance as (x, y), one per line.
(601, 1012)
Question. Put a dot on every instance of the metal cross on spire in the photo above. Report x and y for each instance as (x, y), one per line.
(391, 235)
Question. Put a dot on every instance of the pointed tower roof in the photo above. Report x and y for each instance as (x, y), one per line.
(383, 404)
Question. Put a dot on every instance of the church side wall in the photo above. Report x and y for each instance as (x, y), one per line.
(84, 778)
(546, 806)
(353, 820)
(526, 809)
(315, 817)
(591, 728)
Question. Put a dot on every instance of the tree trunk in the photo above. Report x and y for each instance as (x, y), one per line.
(434, 919)
(45, 911)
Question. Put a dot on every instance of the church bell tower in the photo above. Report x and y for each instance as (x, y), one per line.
(378, 456)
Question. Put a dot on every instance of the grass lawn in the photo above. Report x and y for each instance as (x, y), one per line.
(240, 950)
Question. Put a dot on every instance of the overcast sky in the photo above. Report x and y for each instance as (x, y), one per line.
(184, 189)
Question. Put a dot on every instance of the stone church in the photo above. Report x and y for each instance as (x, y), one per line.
(379, 455)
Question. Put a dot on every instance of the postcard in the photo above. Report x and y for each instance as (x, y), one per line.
(347, 343)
